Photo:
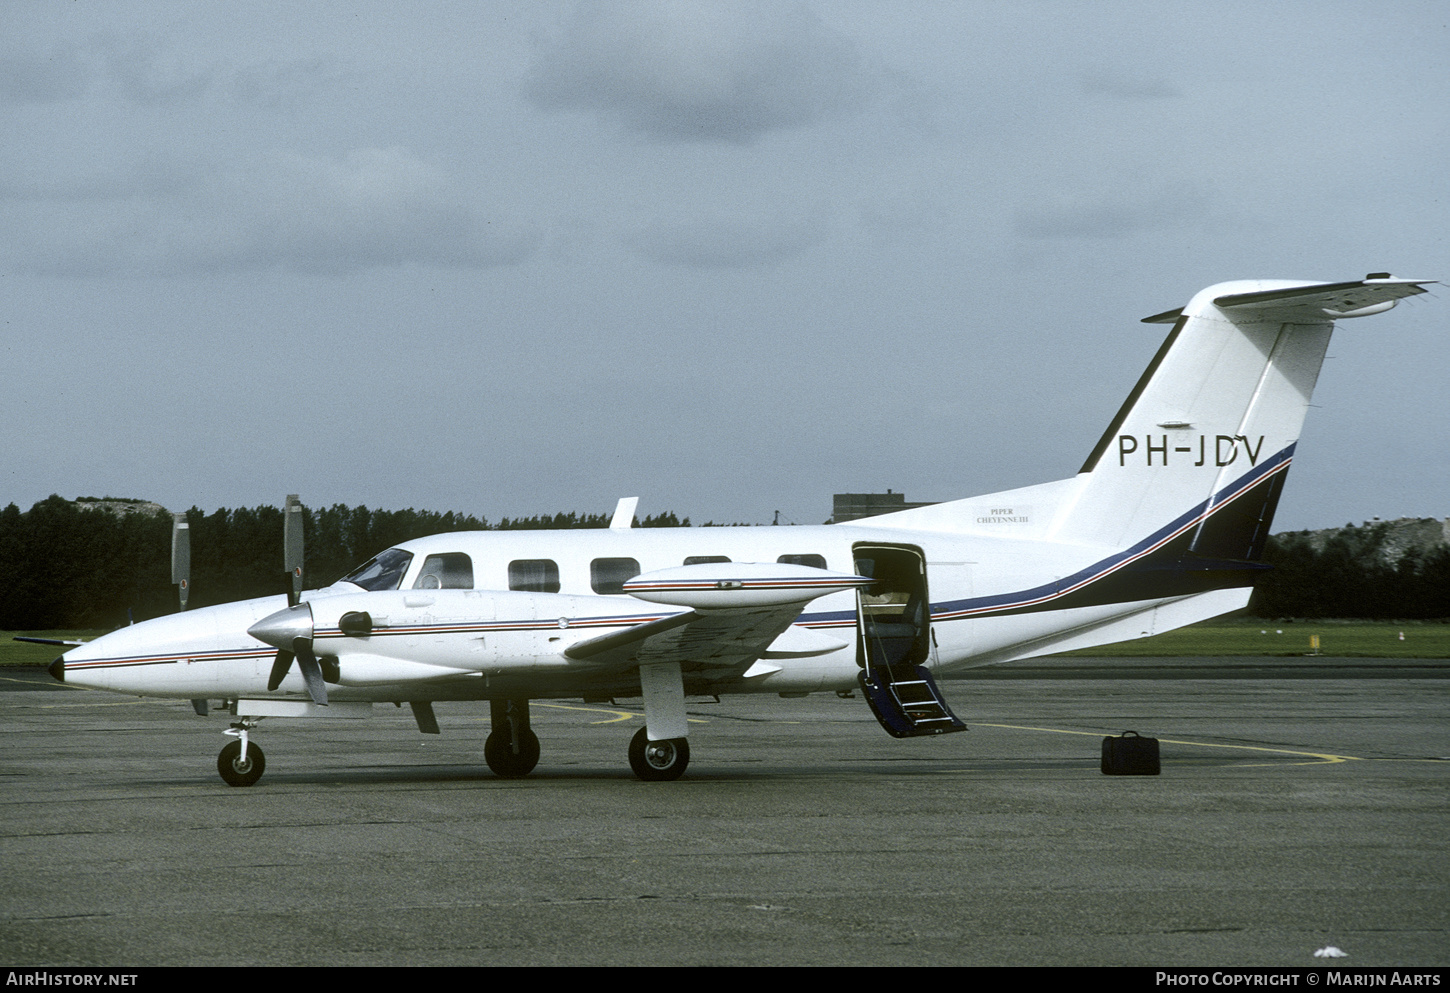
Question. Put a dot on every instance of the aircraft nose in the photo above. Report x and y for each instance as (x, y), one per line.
(282, 629)
(57, 669)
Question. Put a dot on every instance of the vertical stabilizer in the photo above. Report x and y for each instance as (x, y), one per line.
(1201, 445)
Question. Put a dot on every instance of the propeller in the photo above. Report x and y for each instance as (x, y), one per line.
(290, 632)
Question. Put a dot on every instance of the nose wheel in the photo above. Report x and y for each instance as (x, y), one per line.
(658, 761)
(239, 771)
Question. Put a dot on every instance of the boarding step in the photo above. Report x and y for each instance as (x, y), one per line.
(906, 701)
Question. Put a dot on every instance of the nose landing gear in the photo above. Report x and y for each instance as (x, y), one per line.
(240, 762)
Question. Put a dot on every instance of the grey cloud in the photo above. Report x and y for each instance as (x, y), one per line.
(1115, 214)
(279, 83)
(696, 71)
(372, 208)
(1112, 82)
(728, 242)
(145, 72)
(148, 71)
(27, 76)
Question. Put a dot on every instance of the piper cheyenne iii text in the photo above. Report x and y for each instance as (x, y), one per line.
(1164, 525)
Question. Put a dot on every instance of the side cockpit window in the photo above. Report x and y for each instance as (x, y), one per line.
(814, 561)
(448, 571)
(608, 576)
(382, 572)
(534, 575)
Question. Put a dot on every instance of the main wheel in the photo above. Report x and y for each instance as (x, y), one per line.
(237, 772)
(658, 761)
(498, 752)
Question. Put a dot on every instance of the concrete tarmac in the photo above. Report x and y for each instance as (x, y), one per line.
(1294, 811)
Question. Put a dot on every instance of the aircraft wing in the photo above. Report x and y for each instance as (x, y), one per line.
(720, 642)
(734, 612)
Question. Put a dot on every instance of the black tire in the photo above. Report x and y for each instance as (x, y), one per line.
(498, 752)
(658, 761)
(237, 773)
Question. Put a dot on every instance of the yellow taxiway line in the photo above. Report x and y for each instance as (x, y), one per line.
(1320, 758)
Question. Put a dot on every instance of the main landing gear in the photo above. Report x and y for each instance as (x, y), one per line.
(658, 761)
(241, 763)
(511, 749)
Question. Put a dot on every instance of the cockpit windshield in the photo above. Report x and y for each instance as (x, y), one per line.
(382, 572)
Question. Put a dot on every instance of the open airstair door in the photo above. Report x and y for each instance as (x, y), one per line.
(893, 643)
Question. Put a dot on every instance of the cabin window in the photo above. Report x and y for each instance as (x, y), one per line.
(534, 575)
(608, 576)
(814, 561)
(702, 559)
(382, 572)
(448, 571)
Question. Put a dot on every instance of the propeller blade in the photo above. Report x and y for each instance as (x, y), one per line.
(181, 556)
(280, 666)
(292, 546)
(311, 671)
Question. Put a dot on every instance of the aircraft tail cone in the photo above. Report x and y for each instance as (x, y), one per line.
(57, 669)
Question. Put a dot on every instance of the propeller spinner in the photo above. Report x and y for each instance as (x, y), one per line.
(290, 632)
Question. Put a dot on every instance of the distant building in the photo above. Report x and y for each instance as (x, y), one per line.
(854, 506)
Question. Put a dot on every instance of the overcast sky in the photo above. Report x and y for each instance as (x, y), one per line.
(515, 258)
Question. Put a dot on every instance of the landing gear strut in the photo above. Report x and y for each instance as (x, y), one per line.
(511, 749)
(241, 763)
(658, 761)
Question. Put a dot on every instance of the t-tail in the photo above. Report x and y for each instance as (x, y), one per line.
(1188, 474)
(1198, 454)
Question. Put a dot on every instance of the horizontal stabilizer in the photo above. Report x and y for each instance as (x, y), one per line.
(1313, 302)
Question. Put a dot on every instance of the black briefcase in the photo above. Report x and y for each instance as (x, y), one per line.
(1130, 754)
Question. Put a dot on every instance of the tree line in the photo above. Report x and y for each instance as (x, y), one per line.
(66, 567)
(1350, 573)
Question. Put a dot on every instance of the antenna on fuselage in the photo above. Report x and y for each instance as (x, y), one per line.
(624, 514)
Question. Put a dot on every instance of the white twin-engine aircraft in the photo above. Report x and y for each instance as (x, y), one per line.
(1164, 525)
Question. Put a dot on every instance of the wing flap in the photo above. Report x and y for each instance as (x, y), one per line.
(627, 640)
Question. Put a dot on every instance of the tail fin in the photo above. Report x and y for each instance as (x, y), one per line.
(1200, 448)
